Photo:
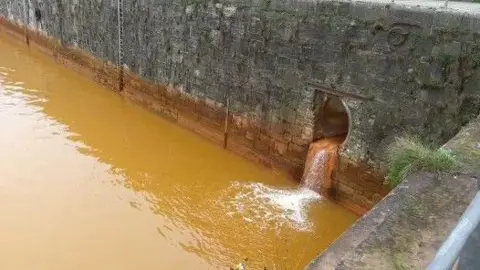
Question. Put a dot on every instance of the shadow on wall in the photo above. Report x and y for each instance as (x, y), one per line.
(331, 118)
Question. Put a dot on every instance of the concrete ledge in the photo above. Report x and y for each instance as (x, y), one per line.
(407, 227)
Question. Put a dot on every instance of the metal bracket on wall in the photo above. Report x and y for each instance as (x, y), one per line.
(60, 8)
(227, 117)
(26, 8)
(120, 45)
(332, 91)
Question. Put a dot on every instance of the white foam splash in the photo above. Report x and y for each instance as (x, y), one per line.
(269, 206)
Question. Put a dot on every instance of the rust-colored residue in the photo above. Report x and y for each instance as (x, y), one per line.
(252, 140)
(321, 163)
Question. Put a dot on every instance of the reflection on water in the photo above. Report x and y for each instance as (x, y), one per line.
(90, 181)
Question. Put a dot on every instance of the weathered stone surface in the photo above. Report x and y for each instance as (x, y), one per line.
(407, 227)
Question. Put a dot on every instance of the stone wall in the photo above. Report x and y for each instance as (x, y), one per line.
(400, 70)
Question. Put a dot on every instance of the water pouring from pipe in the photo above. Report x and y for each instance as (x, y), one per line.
(321, 163)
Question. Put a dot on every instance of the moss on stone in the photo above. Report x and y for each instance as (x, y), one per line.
(476, 59)
(399, 262)
(467, 147)
(446, 59)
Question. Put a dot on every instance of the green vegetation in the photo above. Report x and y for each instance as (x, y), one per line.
(446, 59)
(476, 57)
(407, 155)
(399, 263)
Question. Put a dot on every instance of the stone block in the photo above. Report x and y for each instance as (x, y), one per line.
(297, 150)
(280, 147)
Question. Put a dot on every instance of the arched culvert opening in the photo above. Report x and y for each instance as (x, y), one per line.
(331, 128)
(331, 118)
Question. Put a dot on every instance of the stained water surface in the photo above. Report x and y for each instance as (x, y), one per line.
(89, 180)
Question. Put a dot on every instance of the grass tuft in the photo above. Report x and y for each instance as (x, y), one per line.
(407, 155)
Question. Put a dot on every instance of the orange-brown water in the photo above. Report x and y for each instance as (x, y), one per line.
(321, 163)
(89, 180)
